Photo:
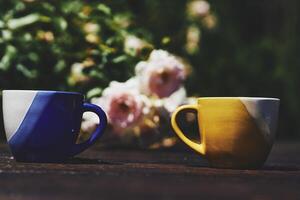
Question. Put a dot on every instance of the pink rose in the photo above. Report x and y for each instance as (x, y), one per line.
(161, 75)
(123, 104)
(124, 109)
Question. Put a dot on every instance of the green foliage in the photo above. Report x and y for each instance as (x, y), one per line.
(41, 40)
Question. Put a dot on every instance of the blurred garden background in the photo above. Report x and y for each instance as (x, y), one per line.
(233, 48)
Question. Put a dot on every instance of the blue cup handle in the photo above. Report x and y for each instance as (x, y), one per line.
(78, 148)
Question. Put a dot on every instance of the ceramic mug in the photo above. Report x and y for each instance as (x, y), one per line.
(43, 126)
(235, 132)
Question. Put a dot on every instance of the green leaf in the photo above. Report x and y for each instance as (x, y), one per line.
(97, 75)
(71, 7)
(1, 24)
(10, 54)
(6, 35)
(119, 59)
(94, 92)
(166, 40)
(48, 6)
(23, 21)
(61, 23)
(26, 72)
(106, 49)
(60, 65)
(33, 56)
(20, 6)
(45, 19)
(103, 8)
(27, 37)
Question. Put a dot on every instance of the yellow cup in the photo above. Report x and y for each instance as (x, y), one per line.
(235, 132)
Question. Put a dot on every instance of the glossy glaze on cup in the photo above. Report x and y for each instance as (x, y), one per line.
(42, 126)
(235, 132)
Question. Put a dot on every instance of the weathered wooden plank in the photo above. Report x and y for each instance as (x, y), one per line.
(105, 173)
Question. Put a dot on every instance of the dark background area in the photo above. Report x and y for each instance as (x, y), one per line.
(253, 51)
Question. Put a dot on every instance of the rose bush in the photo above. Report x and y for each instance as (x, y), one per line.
(144, 102)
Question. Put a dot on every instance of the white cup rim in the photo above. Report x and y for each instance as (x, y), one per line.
(245, 98)
(46, 91)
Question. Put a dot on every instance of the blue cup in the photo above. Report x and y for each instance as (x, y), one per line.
(43, 126)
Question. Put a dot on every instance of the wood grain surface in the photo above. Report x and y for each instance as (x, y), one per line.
(139, 174)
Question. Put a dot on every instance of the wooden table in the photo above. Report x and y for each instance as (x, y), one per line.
(131, 174)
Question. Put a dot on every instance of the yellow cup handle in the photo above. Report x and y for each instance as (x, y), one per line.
(196, 146)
